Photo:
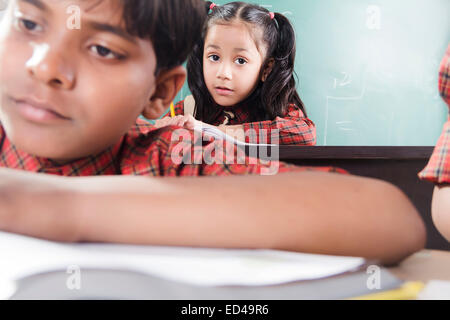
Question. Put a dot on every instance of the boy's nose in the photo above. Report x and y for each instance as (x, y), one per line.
(224, 72)
(48, 66)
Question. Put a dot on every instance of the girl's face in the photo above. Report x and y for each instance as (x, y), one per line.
(231, 63)
(69, 90)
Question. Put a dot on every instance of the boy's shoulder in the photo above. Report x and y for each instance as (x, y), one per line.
(143, 135)
(141, 127)
(143, 148)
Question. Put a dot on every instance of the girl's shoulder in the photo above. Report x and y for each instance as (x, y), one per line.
(293, 110)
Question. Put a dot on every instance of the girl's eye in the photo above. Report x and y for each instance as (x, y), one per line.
(241, 61)
(106, 53)
(214, 57)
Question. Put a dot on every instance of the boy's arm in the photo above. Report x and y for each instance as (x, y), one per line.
(306, 211)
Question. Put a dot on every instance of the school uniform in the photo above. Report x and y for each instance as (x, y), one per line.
(146, 151)
(438, 167)
(293, 128)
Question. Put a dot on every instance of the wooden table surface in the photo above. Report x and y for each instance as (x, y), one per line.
(424, 266)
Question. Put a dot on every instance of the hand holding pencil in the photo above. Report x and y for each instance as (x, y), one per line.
(184, 121)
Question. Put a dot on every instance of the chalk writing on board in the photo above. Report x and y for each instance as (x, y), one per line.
(373, 21)
(343, 82)
(334, 102)
(341, 125)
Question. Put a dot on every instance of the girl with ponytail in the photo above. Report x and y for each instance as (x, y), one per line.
(241, 75)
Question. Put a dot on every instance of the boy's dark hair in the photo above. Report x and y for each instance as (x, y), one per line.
(173, 26)
(271, 97)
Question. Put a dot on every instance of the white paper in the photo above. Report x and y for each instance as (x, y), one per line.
(23, 256)
(220, 135)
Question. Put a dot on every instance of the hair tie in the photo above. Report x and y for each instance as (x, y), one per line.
(272, 15)
(212, 6)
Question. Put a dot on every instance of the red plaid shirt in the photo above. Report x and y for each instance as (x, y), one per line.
(294, 128)
(143, 151)
(438, 168)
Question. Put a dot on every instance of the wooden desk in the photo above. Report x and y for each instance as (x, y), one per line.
(424, 266)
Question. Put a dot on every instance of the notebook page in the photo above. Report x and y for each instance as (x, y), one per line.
(23, 256)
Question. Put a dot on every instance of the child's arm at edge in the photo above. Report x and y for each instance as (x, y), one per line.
(307, 212)
(440, 209)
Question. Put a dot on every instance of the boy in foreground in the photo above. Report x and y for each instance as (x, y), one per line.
(70, 99)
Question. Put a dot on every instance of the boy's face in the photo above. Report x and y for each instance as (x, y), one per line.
(69, 90)
(231, 63)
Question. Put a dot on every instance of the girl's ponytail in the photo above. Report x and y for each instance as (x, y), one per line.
(196, 82)
(279, 90)
(208, 5)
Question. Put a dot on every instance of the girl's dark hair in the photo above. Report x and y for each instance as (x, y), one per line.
(271, 97)
(173, 26)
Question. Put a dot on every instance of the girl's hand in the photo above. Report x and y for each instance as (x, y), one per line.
(188, 122)
(165, 122)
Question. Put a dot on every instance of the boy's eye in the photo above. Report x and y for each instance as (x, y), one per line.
(240, 61)
(106, 53)
(28, 25)
(214, 57)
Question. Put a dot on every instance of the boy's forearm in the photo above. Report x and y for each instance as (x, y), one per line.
(308, 212)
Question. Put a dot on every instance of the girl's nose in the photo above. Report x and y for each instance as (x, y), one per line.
(224, 72)
(48, 65)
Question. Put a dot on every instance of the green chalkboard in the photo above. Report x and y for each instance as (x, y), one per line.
(368, 69)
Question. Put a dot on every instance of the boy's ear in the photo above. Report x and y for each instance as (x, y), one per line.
(268, 69)
(168, 83)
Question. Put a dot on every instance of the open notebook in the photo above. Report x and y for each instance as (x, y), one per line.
(24, 256)
(220, 135)
(36, 269)
(209, 130)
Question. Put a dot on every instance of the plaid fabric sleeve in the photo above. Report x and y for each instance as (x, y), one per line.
(191, 156)
(293, 129)
(438, 167)
(179, 109)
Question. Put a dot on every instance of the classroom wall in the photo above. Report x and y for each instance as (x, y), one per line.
(368, 69)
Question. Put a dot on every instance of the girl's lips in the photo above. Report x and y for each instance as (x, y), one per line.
(223, 91)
